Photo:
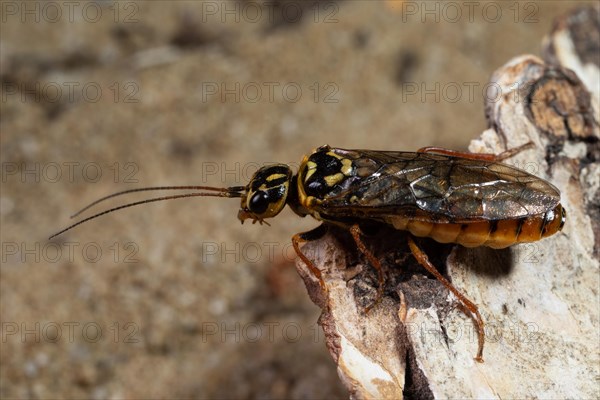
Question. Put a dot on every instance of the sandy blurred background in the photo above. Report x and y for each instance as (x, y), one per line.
(178, 299)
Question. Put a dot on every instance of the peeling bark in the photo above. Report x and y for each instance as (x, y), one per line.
(574, 43)
(539, 300)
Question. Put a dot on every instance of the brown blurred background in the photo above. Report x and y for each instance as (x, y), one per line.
(177, 299)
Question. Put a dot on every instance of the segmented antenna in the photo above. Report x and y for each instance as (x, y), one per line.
(232, 192)
(110, 196)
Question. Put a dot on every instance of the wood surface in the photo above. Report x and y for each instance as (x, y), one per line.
(540, 301)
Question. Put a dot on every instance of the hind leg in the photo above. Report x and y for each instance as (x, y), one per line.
(466, 303)
(477, 156)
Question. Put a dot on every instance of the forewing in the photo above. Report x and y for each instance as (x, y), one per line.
(441, 187)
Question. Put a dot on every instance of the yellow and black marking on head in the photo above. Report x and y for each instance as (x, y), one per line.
(324, 173)
(266, 194)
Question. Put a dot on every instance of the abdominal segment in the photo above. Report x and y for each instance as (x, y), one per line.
(497, 234)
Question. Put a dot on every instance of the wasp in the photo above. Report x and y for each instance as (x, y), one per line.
(452, 197)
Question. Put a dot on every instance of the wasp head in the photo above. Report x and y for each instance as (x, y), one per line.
(266, 194)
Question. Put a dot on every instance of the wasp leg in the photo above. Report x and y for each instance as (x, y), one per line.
(355, 231)
(309, 236)
(468, 304)
(477, 156)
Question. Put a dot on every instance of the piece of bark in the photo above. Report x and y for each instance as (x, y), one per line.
(539, 300)
(574, 43)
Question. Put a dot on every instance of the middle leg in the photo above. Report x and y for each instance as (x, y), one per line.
(356, 232)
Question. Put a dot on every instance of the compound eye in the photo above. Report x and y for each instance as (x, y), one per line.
(259, 202)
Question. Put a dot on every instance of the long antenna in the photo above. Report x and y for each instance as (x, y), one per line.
(230, 192)
(110, 196)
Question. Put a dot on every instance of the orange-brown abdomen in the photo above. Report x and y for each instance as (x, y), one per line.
(496, 234)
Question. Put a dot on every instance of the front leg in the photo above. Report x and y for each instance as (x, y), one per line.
(309, 236)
